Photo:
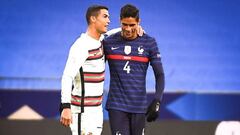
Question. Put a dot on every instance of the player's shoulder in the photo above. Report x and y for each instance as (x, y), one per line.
(79, 43)
(147, 37)
(113, 37)
(81, 38)
(147, 40)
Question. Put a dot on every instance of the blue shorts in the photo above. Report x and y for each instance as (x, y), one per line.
(124, 123)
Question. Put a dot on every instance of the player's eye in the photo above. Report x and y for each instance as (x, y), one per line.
(105, 16)
(124, 24)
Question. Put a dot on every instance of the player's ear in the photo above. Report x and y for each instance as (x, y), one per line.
(120, 20)
(139, 20)
(93, 19)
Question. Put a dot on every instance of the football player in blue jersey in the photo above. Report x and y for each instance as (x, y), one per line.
(128, 57)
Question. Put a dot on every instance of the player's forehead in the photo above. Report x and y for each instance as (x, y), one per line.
(103, 12)
(129, 20)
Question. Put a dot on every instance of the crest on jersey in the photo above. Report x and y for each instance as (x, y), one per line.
(127, 49)
(140, 50)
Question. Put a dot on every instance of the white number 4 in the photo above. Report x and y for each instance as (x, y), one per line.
(127, 67)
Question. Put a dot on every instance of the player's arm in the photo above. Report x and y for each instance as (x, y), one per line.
(112, 31)
(155, 61)
(74, 62)
(159, 79)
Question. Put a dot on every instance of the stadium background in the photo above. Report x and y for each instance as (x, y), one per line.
(198, 40)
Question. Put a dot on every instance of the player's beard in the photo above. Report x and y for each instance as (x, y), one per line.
(129, 34)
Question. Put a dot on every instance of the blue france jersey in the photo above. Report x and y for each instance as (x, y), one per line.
(128, 62)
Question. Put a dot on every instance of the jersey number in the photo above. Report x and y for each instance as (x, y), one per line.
(127, 67)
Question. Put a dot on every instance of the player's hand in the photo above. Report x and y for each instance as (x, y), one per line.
(140, 31)
(153, 110)
(66, 117)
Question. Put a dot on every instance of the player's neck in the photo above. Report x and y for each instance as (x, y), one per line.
(92, 32)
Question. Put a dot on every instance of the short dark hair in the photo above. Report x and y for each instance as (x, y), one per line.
(129, 11)
(94, 11)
